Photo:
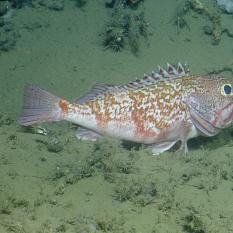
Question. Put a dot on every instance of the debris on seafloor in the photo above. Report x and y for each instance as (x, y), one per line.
(36, 130)
(214, 27)
(226, 5)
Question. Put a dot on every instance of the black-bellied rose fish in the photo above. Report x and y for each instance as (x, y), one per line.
(159, 110)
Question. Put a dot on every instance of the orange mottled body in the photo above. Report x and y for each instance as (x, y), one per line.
(149, 112)
(161, 109)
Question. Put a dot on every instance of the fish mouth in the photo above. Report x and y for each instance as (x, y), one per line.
(225, 116)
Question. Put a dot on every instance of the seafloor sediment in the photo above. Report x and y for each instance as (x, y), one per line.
(54, 183)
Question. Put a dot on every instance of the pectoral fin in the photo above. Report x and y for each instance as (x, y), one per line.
(203, 126)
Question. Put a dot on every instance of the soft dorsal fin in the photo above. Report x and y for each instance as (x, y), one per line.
(97, 91)
(161, 75)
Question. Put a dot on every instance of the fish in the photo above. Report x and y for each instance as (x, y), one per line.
(163, 109)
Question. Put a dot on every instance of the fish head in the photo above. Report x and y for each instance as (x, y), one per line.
(211, 104)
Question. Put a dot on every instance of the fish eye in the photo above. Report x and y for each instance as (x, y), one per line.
(226, 89)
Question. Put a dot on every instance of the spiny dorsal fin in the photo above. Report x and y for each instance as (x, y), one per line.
(161, 75)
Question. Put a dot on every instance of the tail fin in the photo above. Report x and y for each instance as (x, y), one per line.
(39, 106)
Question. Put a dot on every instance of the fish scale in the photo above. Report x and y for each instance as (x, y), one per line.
(159, 110)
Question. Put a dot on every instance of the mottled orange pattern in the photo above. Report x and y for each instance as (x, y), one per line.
(151, 110)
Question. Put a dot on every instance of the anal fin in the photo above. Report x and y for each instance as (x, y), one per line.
(87, 134)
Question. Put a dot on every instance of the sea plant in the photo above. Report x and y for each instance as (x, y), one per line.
(193, 224)
(214, 29)
(130, 3)
(5, 207)
(125, 28)
(139, 190)
(20, 3)
(81, 3)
